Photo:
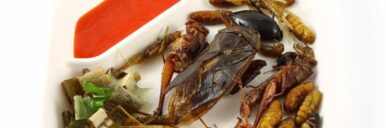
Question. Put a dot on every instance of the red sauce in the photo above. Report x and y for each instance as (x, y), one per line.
(111, 21)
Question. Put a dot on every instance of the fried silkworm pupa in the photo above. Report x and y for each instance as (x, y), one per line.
(296, 96)
(272, 117)
(209, 17)
(313, 122)
(288, 123)
(300, 30)
(309, 105)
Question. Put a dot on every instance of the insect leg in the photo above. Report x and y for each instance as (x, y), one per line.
(167, 74)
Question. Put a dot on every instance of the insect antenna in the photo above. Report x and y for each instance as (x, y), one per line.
(253, 6)
(202, 121)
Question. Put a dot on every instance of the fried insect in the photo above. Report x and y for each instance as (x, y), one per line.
(251, 99)
(154, 49)
(287, 58)
(208, 17)
(212, 75)
(289, 19)
(313, 122)
(265, 25)
(287, 123)
(305, 53)
(299, 29)
(272, 117)
(309, 105)
(252, 71)
(292, 72)
(242, 124)
(227, 3)
(268, 96)
(296, 96)
(183, 51)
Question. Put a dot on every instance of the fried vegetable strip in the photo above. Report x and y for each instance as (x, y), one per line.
(309, 105)
(72, 87)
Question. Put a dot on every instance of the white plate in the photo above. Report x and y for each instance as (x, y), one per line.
(330, 69)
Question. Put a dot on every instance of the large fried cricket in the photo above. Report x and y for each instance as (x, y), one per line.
(182, 53)
(212, 75)
(290, 73)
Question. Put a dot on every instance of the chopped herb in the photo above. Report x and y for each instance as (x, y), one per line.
(96, 91)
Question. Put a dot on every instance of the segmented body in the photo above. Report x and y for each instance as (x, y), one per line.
(190, 45)
(272, 117)
(211, 76)
(308, 107)
(300, 30)
(209, 17)
(296, 96)
(287, 123)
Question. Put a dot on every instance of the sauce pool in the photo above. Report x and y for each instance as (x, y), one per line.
(111, 21)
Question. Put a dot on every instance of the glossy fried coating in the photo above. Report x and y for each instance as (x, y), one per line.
(309, 105)
(209, 17)
(272, 117)
(296, 96)
(288, 123)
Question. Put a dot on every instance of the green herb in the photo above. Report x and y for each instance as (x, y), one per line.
(82, 108)
(98, 92)
(86, 106)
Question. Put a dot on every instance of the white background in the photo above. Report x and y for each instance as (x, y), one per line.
(25, 30)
